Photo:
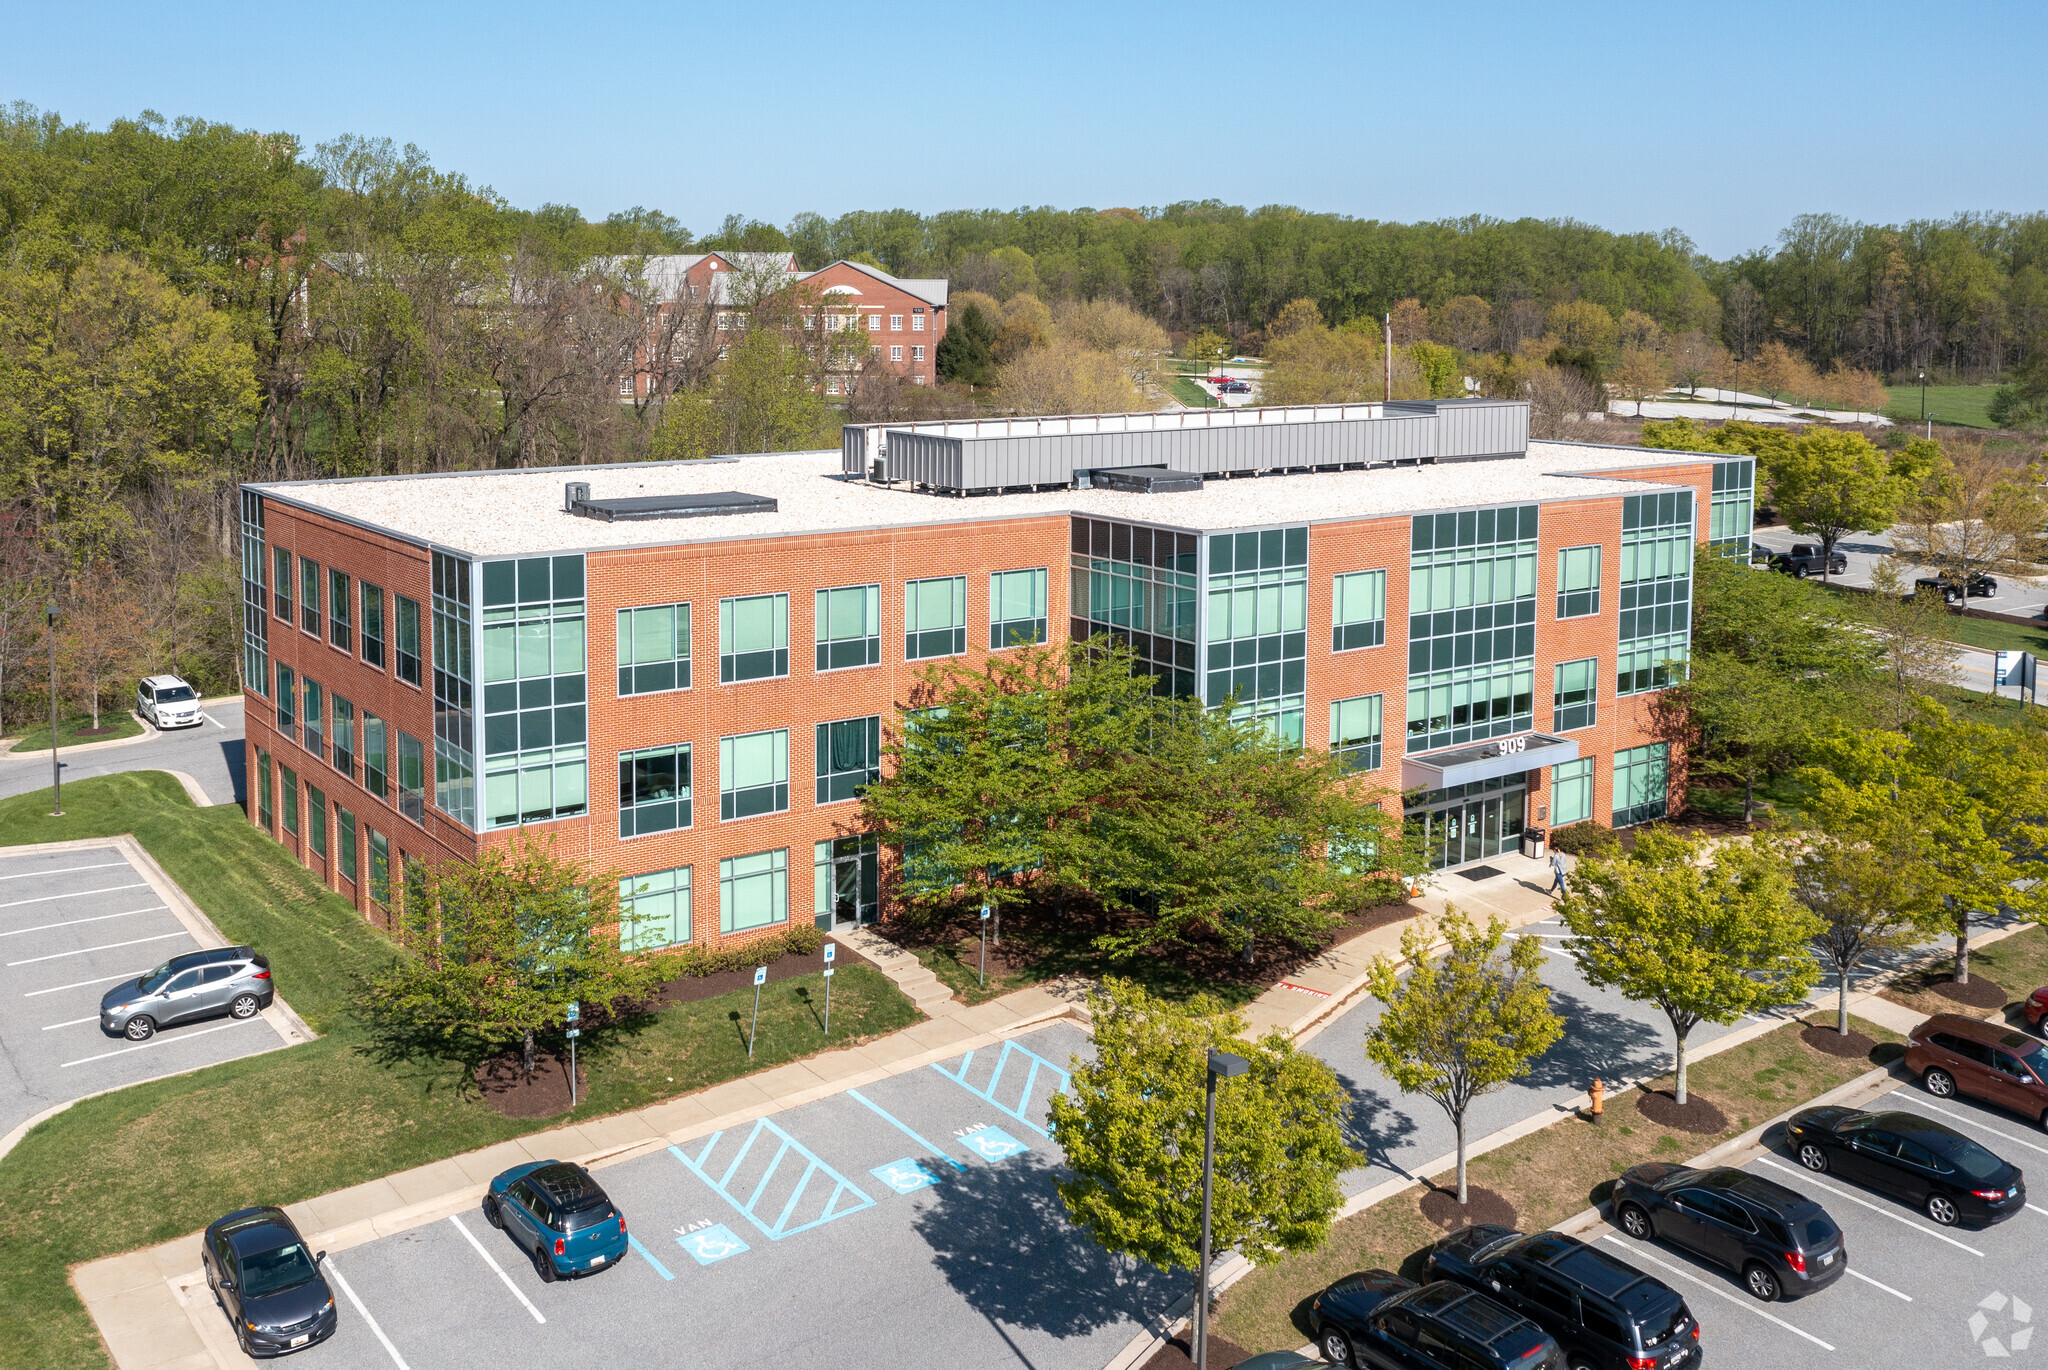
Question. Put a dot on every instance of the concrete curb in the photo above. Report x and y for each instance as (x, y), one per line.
(7, 753)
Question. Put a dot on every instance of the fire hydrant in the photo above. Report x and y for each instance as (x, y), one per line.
(1598, 1094)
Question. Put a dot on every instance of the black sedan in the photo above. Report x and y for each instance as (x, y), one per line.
(267, 1283)
(1935, 1168)
(1778, 1240)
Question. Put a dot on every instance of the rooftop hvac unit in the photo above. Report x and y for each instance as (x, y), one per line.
(574, 493)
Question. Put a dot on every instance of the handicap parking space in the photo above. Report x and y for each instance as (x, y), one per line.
(1915, 1294)
(73, 924)
(910, 1222)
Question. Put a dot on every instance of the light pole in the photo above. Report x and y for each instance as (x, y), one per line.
(1923, 395)
(1222, 1066)
(56, 775)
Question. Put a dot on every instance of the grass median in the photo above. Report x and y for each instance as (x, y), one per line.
(146, 1164)
(1548, 1175)
(77, 731)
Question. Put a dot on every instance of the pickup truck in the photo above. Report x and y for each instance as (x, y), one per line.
(1805, 560)
(1979, 586)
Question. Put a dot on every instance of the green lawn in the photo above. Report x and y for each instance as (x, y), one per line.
(146, 1164)
(1986, 634)
(1192, 395)
(120, 723)
(1963, 405)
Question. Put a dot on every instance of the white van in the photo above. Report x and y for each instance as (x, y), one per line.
(168, 702)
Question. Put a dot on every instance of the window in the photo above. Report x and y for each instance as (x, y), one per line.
(875, 351)
(1358, 611)
(1578, 581)
(373, 626)
(1016, 608)
(1578, 687)
(753, 638)
(832, 386)
(316, 719)
(654, 649)
(344, 737)
(896, 326)
(849, 627)
(753, 891)
(408, 639)
(1471, 626)
(849, 757)
(1641, 777)
(846, 881)
(263, 806)
(412, 778)
(934, 617)
(917, 321)
(288, 797)
(874, 323)
(917, 354)
(724, 322)
(895, 354)
(625, 385)
(380, 869)
(309, 596)
(1138, 585)
(255, 606)
(1355, 732)
(654, 790)
(316, 821)
(536, 722)
(1571, 799)
(1656, 591)
(1731, 510)
(454, 691)
(281, 583)
(1605, 1324)
(376, 757)
(345, 841)
(1257, 628)
(654, 910)
(753, 774)
(340, 631)
(287, 703)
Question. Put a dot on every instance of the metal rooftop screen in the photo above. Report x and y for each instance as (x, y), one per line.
(716, 504)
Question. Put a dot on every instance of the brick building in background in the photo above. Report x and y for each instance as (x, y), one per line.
(684, 671)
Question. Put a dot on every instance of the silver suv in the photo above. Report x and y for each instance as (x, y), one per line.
(168, 702)
(199, 984)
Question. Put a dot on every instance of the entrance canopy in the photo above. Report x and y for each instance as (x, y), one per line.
(1486, 760)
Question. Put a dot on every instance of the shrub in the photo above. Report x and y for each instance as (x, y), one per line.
(1588, 839)
(802, 940)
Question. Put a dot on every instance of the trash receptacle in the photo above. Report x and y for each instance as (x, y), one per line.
(1535, 844)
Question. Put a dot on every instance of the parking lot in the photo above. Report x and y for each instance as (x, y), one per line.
(1916, 1294)
(1865, 550)
(73, 924)
(907, 1223)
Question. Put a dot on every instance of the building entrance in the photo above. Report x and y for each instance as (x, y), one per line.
(1467, 823)
(849, 882)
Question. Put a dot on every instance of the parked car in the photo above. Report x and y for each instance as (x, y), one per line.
(1805, 560)
(262, 1277)
(1953, 1054)
(1782, 1243)
(231, 980)
(1603, 1312)
(1238, 388)
(168, 702)
(1935, 1168)
(559, 1216)
(2036, 1008)
(1954, 589)
(1377, 1318)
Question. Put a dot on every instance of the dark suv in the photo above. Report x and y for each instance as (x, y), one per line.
(1805, 560)
(1376, 1318)
(1781, 1242)
(1976, 586)
(200, 984)
(1605, 1313)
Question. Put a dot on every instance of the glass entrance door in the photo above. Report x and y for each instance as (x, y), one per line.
(1469, 822)
(848, 881)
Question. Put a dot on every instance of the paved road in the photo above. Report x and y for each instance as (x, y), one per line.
(1865, 550)
(210, 753)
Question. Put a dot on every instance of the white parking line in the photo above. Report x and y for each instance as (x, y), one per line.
(1735, 1299)
(1881, 1212)
(1982, 1127)
(96, 918)
(385, 1341)
(154, 1042)
(82, 951)
(81, 984)
(63, 870)
(1885, 1287)
(75, 894)
(72, 1023)
(492, 1262)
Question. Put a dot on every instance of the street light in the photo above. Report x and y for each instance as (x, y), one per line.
(1923, 395)
(56, 776)
(1222, 1066)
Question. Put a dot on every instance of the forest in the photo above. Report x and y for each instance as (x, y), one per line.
(185, 305)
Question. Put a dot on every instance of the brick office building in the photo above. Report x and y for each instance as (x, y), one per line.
(437, 662)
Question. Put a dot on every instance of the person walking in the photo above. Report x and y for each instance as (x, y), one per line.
(1557, 870)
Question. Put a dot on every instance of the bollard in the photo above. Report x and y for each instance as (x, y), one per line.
(1598, 1094)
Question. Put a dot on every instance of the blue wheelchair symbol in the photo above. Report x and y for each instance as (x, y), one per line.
(709, 1245)
(905, 1175)
(993, 1144)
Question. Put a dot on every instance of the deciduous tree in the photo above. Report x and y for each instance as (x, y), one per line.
(1865, 875)
(1827, 484)
(1640, 375)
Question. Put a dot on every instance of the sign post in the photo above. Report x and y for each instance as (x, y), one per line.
(760, 979)
(830, 948)
(984, 945)
(2015, 669)
(575, 1013)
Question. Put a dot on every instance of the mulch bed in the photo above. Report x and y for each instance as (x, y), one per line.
(1004, 958)
(1443, 1210)
(95, 732)
(1833, 1043)
(508, 1088)
(1698, 1115)
(1175, 1355)
(1980, 993)
(688, 989)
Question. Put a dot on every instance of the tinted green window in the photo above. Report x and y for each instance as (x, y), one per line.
(654, 649)
(753, 774)
(849, 757)
(849, 627)
(1578, 685)
(1016, 608)
(753, 891)
(1641, 784)
(1358, 611)
(753, 638)
(1578, 581)
(934, 617)
(655, 910)
(1571, 791)
(1355, 732)
(654, 790)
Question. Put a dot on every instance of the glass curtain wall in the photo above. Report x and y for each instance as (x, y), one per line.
(1137, 584)
(1471, 626)
(454, 692)
(1256, 635)
(536, 762)
(1731, 513)
(1656, 591)
(255, 623)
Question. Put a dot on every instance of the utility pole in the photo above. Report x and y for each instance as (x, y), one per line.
(56, 773)
(1923, 396)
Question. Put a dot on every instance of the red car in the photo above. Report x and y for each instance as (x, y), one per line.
(2035, 1007)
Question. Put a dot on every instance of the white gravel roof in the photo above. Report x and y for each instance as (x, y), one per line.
(505, 513)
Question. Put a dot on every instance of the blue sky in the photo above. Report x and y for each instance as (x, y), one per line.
(1720, 121)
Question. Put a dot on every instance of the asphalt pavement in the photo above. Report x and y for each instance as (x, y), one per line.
(210, 753)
